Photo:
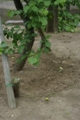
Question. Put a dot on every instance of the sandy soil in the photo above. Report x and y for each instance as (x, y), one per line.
(62, 88)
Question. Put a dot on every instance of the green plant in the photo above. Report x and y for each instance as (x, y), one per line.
(19, 38)
(68, 21)
(34, 15)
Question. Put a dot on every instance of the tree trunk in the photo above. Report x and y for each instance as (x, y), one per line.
(52, 19)
(68, 7)
(55, 21)
(50, 26)
(27, 49)
(28, 45)
(43, 38)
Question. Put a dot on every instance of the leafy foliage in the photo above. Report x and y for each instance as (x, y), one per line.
(68, 21)
(37, 13)
(19, 39)
(57, 2)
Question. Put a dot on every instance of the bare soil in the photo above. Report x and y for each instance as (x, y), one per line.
(57, 77)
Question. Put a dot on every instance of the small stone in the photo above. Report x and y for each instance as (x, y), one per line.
(35, 67)
(64, 62)
(12, 115)
(12, 57)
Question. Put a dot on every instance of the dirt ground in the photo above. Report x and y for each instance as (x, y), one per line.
(57, 78)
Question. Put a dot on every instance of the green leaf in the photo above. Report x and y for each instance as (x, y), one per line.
(32, 60)
(34, 8)
(10, 51)
(11, 13)
(31, 53)
(57, 2)
(23, 57)
(4, 45)
(26, 8)
(1, 50)
(40, 1)
(47, 3)
(46, 50)
(48, 36)
(45, 12)
(20, 48)
(44, 21)
(48, 44)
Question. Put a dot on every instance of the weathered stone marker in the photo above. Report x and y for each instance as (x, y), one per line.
(10, 93)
